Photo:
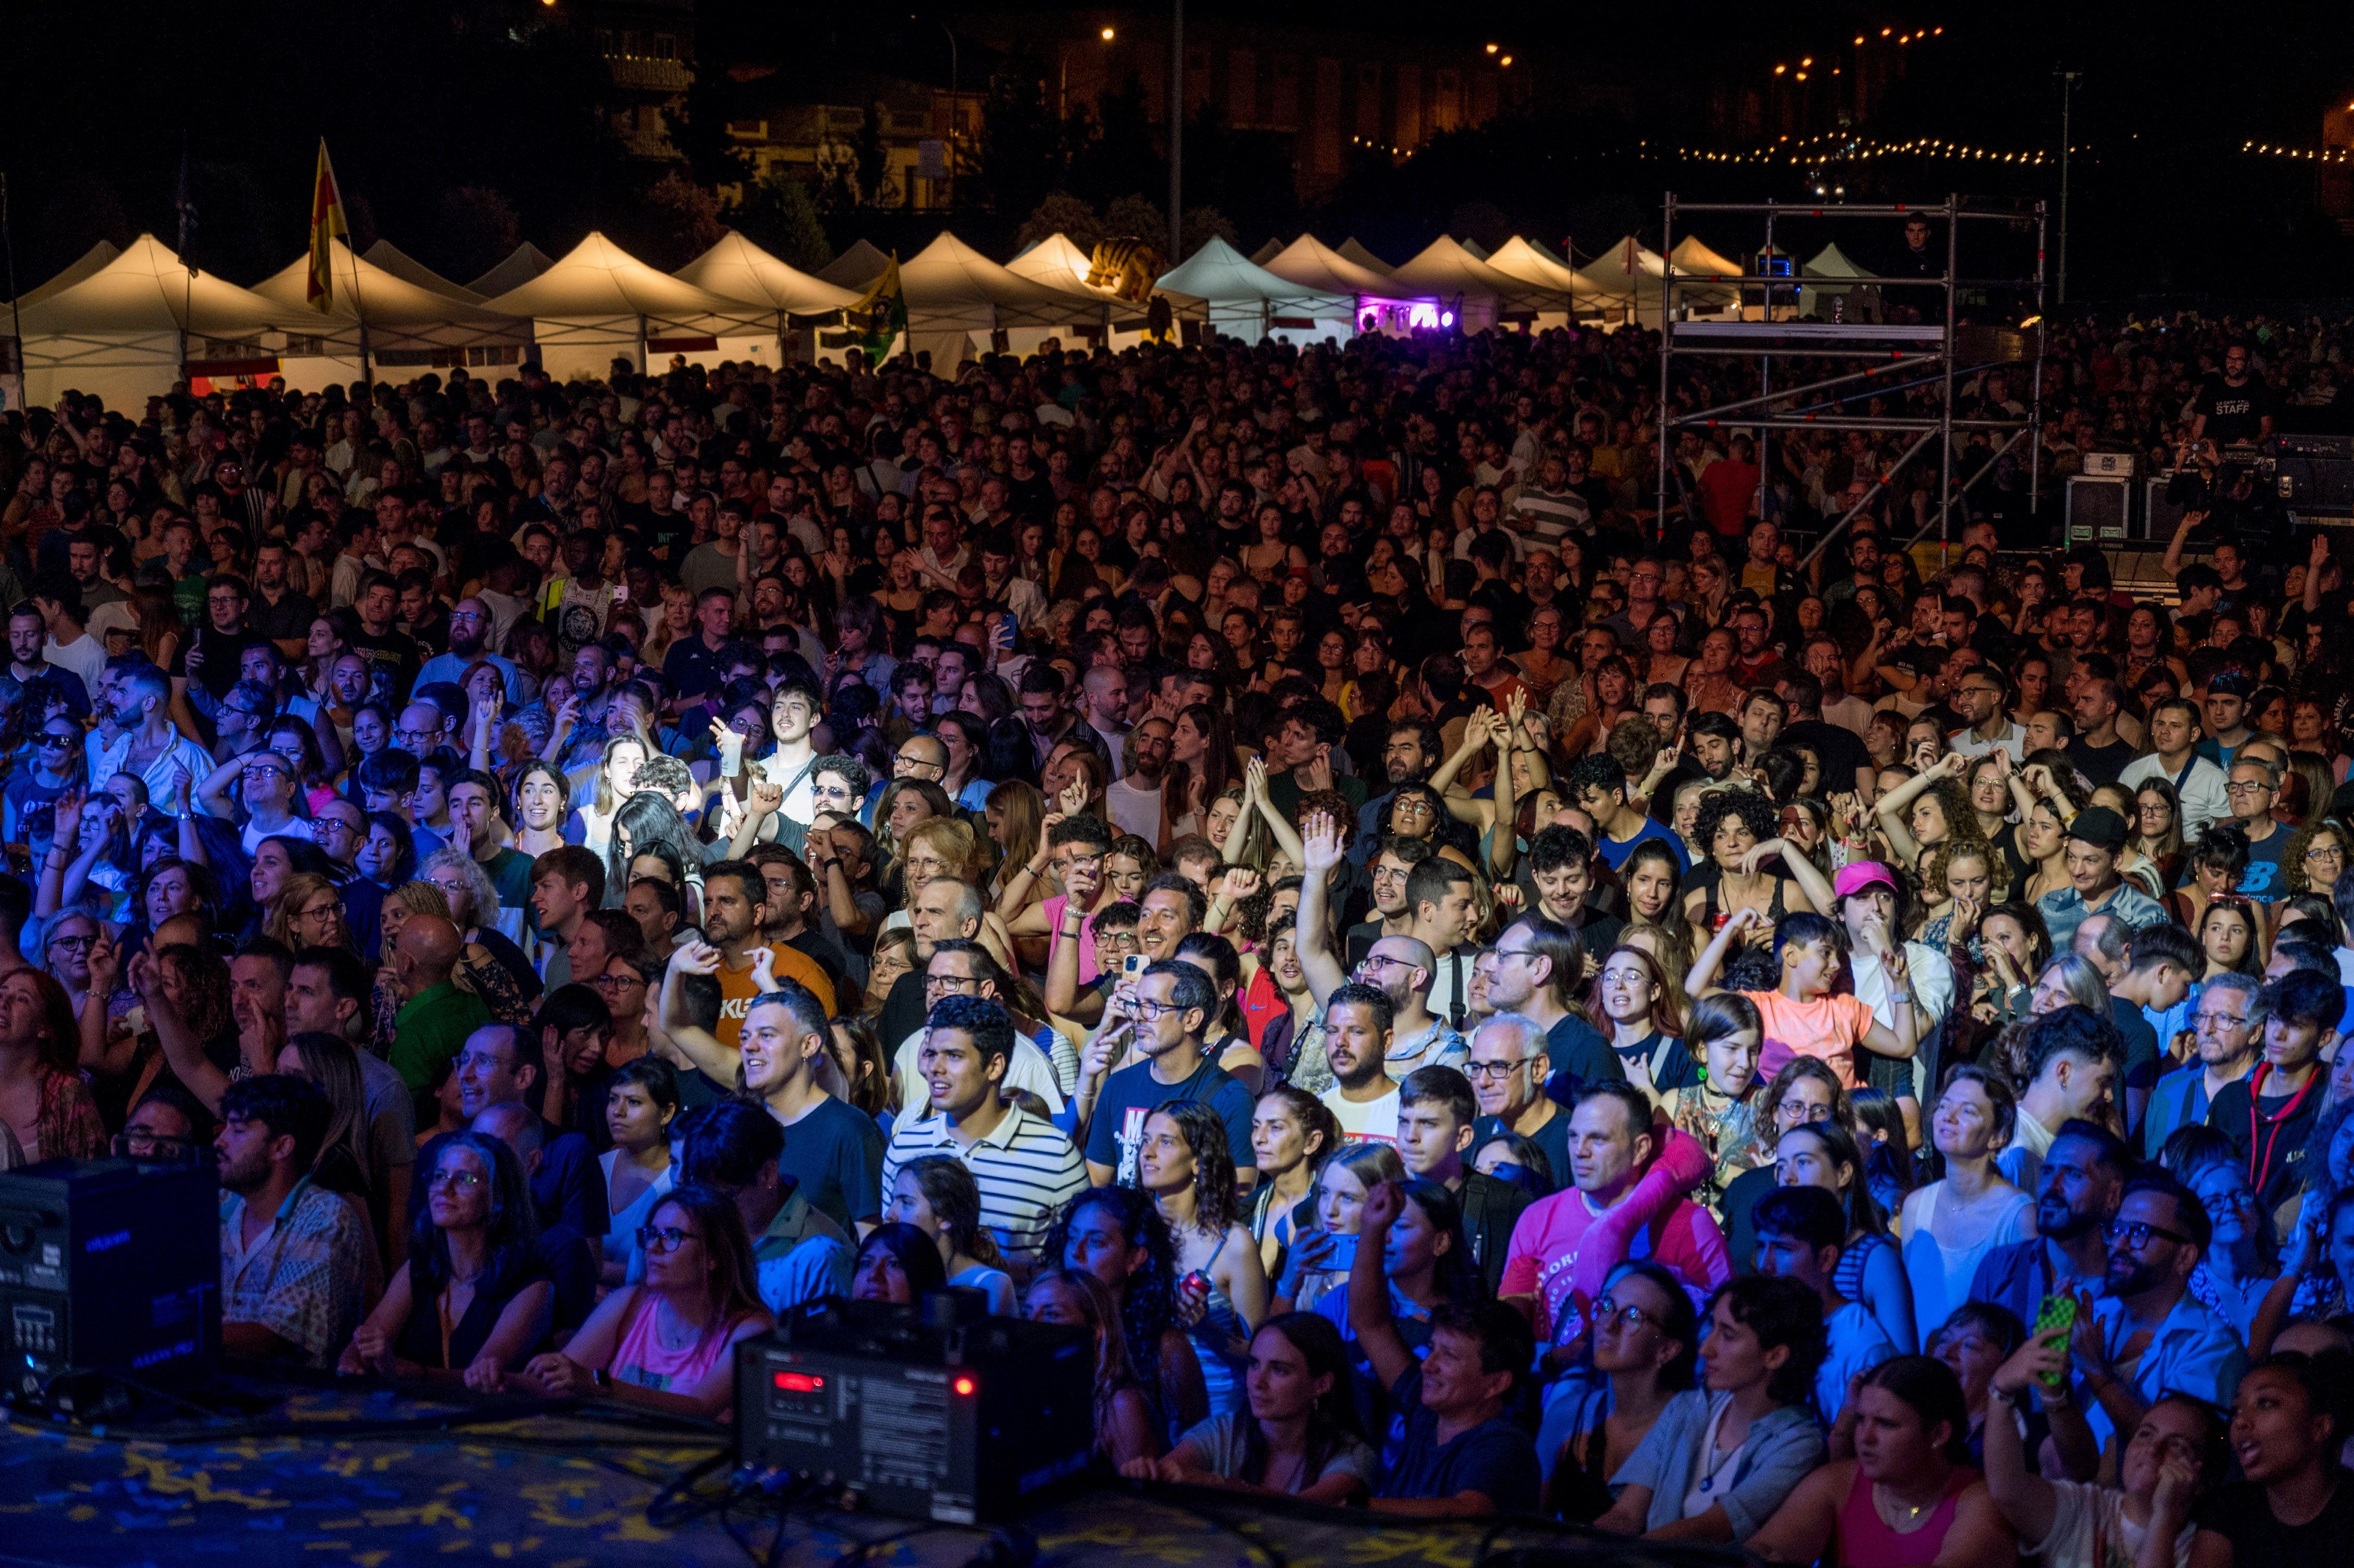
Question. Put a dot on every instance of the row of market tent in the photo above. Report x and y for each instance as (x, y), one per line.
(124, 324)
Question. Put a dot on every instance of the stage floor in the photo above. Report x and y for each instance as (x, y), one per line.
(335, 1475)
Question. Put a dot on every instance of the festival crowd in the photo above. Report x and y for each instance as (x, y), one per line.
(1478, 993)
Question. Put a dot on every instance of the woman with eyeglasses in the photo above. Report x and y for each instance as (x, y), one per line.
(2244, 1254)
(65, 950)
(2315, 856)
(1645, 1349)
(1803, 1092)
(640, 1102)
(472, 1301)
(669, 1340)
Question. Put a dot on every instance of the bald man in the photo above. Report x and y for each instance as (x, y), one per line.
(435, 1016)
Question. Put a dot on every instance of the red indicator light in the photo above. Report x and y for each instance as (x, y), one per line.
(798, 1383)
(964, 1386)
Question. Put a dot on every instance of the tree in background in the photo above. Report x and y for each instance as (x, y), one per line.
(1024, 148)
(475, 230)
(777, 215)
(1064, 214)
(685, 221)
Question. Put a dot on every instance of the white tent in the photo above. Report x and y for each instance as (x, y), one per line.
(599, 303)
(1246, 300)
(384, 253)
(395, 321)
(1626, 278)
(1362, 256)
(1824, 272)
(736, 269)
(953, 292)
(1692, 257)
(523, 264)
(124, 331)
(1059, 263)
(81, 267)
(1485, 296)
(855, 268)
(1383, 303)
(1532, 263)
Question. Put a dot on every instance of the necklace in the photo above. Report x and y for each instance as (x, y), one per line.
(1889, 1506)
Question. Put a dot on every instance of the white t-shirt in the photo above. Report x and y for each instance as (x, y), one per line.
(1133, 811)
(1365, 1121)
(2089, 1530)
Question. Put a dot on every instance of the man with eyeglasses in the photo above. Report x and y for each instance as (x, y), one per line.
(2255, 785)
(2149, 1336)
(211, 655)
(265, 790)
(1508, 1067)
(2078, 1190)
(2225, 1032)
(1387, 871)
(470, 630)
(293, 1253)
(961, 967)
(1161, 1020)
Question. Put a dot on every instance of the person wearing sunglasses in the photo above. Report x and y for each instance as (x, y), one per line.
(2156, 1239)
(28, 807)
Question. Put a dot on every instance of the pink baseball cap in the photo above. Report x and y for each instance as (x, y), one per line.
(1857, 876)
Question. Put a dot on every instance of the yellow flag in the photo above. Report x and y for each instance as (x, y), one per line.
(326, 222)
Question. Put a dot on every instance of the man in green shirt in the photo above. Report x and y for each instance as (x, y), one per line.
(436, 1016)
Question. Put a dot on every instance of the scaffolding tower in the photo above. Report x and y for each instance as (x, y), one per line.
(1946, 350)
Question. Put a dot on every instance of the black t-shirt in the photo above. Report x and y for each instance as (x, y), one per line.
(1553, 1137)
(2101, 764)
(2239, 1513)
(291, 617)
(392, 659)
(2277, 1140)
(1838, 748)
(2234, 413)
(216, 670)
(1495, 1458)
(2141, 1045)
(1677, 1070)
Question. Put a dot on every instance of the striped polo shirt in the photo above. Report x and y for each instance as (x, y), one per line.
(1025, 1168)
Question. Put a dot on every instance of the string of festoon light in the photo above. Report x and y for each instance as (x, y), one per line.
(2310, 155)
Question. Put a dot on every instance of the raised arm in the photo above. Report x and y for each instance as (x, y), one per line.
(1369, 1292)
(2026, 1498)
(1312, 926)
(1255, 789)
(182, 1049)
(1893, 807)
(1479, 730)
(1063, 993)
(1811, 882)
(718, 1062)
(213, 793)
(1702, 979)
(1502, 842)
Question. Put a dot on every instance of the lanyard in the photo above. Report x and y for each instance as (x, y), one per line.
(2259, 1169)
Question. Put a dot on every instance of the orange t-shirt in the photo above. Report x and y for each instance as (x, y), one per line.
(737, 990)
(1828, 1029)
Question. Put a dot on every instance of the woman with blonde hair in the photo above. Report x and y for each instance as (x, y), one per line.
(1016, 815)
(477, 971)
(308, 913)
(474, 908)
(676, 620)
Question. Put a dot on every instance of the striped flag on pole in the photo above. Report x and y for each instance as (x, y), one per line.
(326, 221)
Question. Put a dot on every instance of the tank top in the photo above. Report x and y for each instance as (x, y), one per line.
(1848, 1277)
(1715, 918)
(642, 1358)
(1220, 1322)
(1866, 1541)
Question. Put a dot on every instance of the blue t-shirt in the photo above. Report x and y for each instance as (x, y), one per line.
(1616, 850)
(1495, 1458)
(1133, 1093)
(835, 1152)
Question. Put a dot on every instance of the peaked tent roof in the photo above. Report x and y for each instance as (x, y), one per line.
(81, 267)
(949, 285)
(1444, 268)
(525, 262)
(1612, 272)
(736, 269)
(597, 280)
(1059, 263)
(1266, 253)
(392, 258)
(1479, 251)
(1830, 262)
(1313, 264)
(399, 314)
(1223, 276)
(1362, 256)
(1532, 263)
(147, 290)
(855, 268)
(1691, 255)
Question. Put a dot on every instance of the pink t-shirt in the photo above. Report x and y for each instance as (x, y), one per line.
(1054, 908)
(1827, 1028)
(1542, 1257)
(640, 1359)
